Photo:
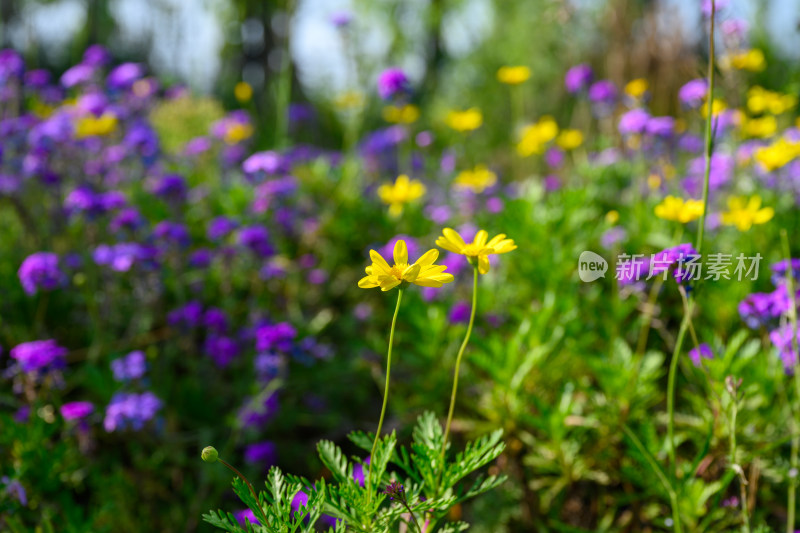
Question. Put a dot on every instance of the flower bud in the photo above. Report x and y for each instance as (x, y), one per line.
(210, 454)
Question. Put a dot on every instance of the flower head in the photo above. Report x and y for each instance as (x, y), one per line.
(679, 210)
(513, 75)
(401, 192)
(477, 180)
(392, 81)
(423, 272)
(479, 249)
(744, 213)
(578, 78)
(468, 120)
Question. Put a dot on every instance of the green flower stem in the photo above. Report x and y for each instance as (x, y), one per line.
(458, 361)
(385, 397)
(787, 254)
(249, 486)
(709, 132)
(673, 371)
(736, 467)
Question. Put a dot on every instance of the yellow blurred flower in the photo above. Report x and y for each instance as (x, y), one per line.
(407, 114)
(760, 100)
(243, 92)
(778, 154)
(536, 136)
(513, 75)
(743, 213)
(612, 217)
(637, 88)
(478, 179)
(679, 210)
(752, 60)
(467, 120)
(478, 250)
(717, 107)
(654, 181)
(90, 126)
(570, 139)
(237, 132)
(760, 127)
(349, 100)
(423, 272)
(399, 193)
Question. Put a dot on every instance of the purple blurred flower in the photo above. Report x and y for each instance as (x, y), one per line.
(262, 453)
(11, 65)
(246, 515)
(40, 271)
(613, 236)
(256, 238)
(128, 218)
(693, 93)
(300, 500)
(781, 338)
(197, 146)
(633, 122)
(340, 19)
(76, 410)
(699, 353)
(201, 258)
(15, 490)
(278, 336)
(172, 233)
(779, 271)
(660, 126)
(216, 320)
(96, 55)
(123, 76)
(603, 95)
(255, 415)
(269, 162)
(459, 313)
(171, 187)
(391, 82)
(77, 75)
(494, 205)
(554, 157)
(188, 316)
(678, 256)
(221, 349)
(632, 270)
(718, 5)
(130, 367)
(578, 78)
(130, 410)
(36, 355)
(220, 227)
(37, 79)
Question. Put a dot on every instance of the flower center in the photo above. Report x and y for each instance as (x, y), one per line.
(398, 269)
(472, 250)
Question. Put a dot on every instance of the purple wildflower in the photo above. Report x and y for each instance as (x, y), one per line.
(699, 353)
(275, 337)
(188, 316)
(578, 78)
(693, 93)
(220, 227)
(123, 76)
(392, 81)
(130, 410)
(40, 271)
(263, 453)
(76, 410)
(37, 355)
(130, 367)
(633, 122)
(221, 349)
(256, 238)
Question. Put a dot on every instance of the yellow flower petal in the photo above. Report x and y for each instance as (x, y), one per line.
(400, 252)
(411, 273)
(483, 264)
(453, 236)
(480, 238)
(428, 258)
(380, 262)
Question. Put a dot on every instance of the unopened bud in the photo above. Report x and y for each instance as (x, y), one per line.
(210, 454)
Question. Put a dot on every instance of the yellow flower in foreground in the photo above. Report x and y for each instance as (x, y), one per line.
(513, 75)
(407, 114)
(468, 120)
(570, 139)
(637, 88)
(760, 127)
(679, 210)
(399, 193)
(743, 213)
(423, 272)
(478, 250)
(778, 154)
(477, 180)
(90, 126)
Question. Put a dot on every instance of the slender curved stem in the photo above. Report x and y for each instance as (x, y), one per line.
(385, 397)
(790, 288)
(249, 486)
(709, 132)
(673, 370)
(458, 361)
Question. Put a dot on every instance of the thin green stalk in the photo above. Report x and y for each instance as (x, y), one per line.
(673, 497)
(736, 467)
(249, 486)
(458, 361)
(709, 132)
(385, 396)
(787, 254)
(673, 370)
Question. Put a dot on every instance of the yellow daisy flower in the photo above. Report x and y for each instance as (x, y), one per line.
(423, 272)
(513, 75)
(679, 210)
(399, 193)
(478, 250)
(743, 213)
(463, 121)
(478, 180)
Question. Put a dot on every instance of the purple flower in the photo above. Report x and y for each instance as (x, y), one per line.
(201, 258)
(578, 78)
(256, 238)
(96, 55)
(130, 410)
(197, 146)
(633, 122)
(392, 81)
(37, 79)
(77, 75)
(123, 76)
(246, 515)
(681, 255)
(132, 366)
(220, 227)
(300, 500)
(36, 355)
(660, 126)
(779, 271)
(15, 489)
(459, 313)
(40, 271)
(632, 270)
(613, 236)
(188, 316)
(122, 256)
(554, 157)
(76, 410)
(262, 453)
(11, 65)
(781, 338)
(171, 187)
(268, 365)
(690, 143)
(221, 349)
(699, 353)
(603, 92)
(255, 415)
(278, 336)
(268, 162)
(693, 93)
(717, 5)
(340, 19)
